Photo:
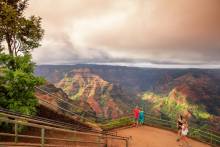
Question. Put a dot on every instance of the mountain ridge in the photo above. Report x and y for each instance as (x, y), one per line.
(184, 87)
(84, 86)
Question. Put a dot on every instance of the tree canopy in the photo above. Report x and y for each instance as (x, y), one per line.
(17, 84)
(18, 34)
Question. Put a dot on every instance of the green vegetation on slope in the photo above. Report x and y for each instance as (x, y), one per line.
(117, 123)
(170, 108)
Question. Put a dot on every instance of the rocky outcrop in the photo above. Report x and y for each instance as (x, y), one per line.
(88, 88)
(55, 104)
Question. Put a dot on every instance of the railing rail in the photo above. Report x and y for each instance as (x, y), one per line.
(65, 110)
(49, 122)
(66, 101)
(43, 126)
(195, 133)
(198, 134)
(42, 136)
(38, 120)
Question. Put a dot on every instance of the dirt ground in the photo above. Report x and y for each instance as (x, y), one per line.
(144, 136)
(152, 137)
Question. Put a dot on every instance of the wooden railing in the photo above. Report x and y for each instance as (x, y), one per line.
(97, 138)
(195, 133)
(208, 137)
(39, 120)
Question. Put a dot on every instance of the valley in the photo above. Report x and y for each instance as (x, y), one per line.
(113, 91)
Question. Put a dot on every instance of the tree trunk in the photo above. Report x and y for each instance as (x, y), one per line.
(8, 40)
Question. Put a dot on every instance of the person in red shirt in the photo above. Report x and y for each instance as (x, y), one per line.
(136, 112)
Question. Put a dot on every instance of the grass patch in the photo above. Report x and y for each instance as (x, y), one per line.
(117, 123)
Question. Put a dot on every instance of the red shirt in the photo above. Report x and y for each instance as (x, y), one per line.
(136, 112)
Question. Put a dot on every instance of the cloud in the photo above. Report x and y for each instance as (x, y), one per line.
(129, 31)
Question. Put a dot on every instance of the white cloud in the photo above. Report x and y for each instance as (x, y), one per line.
(129, 31)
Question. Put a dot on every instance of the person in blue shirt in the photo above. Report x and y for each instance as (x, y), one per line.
(141, 117)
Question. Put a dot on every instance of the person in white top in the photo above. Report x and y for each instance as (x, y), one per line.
(184, 133)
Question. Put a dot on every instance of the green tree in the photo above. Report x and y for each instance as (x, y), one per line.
(18, 34)
(17, 84)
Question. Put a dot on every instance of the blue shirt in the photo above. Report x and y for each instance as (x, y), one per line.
(141, 114)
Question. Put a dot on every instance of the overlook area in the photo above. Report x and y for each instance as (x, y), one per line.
(109, 73)
(140, 137)
(116, 133)
(146, 136)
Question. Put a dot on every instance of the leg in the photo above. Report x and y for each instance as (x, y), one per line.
(136, 122)
(178, 135)
(185, 141)
(142, 122)
(181, 141)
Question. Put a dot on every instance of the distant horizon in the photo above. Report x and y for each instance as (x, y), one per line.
(136, 65)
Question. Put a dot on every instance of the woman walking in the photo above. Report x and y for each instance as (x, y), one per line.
(179, 126)
(184, 133)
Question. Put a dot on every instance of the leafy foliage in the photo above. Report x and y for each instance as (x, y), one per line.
(19, 33)
(17, 84)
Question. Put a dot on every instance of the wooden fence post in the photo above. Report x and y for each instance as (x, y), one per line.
(106, 141)
(16, 132)
(99, 140)
(42, 137)
(126, 142)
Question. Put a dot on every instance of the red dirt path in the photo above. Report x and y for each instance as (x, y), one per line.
(153, 137)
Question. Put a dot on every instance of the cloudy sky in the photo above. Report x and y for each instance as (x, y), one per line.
(153, 33)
